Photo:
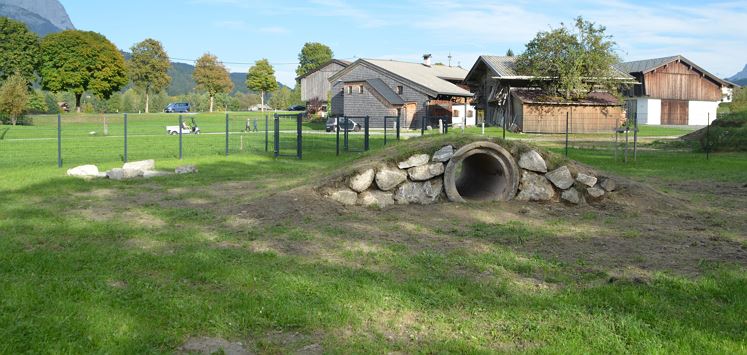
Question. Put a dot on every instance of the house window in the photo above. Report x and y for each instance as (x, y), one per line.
(400, 89)
(350, 90)
(360, 89)
(470, 113)
(455, 113)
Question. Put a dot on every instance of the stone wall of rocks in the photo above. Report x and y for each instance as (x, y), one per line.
(417, 180)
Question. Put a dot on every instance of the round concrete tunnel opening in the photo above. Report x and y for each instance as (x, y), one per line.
(481, 171)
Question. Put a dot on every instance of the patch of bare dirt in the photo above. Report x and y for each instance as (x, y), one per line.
(209, 346)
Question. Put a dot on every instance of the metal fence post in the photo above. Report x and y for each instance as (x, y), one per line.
(337, 141)
(708, 138)
(180, 137)
(276, 136)
(385, 129)
(422, 121)
(226, 133)
(345, 134)
(267, 132)
(59, 140)
(566, 133)
(125, 137)
(635, 137)
(365, 137)
(399, 121)
(299, 136)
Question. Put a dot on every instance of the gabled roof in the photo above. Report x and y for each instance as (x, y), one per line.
(343, 63)
(649, 65)
(504, 67)
(537, 96)
(433, 80)
(385, 91)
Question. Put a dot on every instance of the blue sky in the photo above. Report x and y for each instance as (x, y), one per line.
(711, 33)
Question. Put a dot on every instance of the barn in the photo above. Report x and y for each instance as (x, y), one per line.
(315, 87)
(673, 91)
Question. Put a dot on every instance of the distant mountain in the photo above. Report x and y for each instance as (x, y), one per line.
(740, 82)
(741, 75)
(182, 82)
(41, 16)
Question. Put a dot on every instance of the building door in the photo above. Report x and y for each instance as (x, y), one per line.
(674, 112)
(410, 109)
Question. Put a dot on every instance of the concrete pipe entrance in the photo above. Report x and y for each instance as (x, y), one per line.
(481, 171)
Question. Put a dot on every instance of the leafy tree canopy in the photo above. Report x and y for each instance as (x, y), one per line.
(148, 68)
(313, 54)
(571, 61)
(261, 77)
(14, 96)
(281, 98)
(211, 75)
(19, 50)
(509, 53)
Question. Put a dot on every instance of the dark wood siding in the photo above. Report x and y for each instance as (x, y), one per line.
(316, 86)
(677, 81)
(674, 112)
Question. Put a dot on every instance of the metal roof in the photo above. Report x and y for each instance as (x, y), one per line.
(504, 67)
(343, 63)
(431, 78)
(648, 65)
(385, 91)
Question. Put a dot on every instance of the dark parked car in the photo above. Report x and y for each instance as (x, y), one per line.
(297, 108)
(180, 107)
(332, 125)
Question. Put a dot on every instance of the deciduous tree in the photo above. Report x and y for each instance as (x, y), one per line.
(261, 78)
(148, 68)
(570, 61)
(280, 99)
(211, 76)
(19, 50)
(14, 97)
(313, 54)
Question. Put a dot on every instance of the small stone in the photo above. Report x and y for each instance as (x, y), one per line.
(533, 161)
(534, 187)
(345, 197)
(571, 196)
(84, 171)
(561, 177)
(444, 154)
(363, 180)
(586, 179)
(186, 169)
(426, 172)
(142, 165)
(390, 177)
(608, 185)
(415, 160)
(374, 198)
(595, 192)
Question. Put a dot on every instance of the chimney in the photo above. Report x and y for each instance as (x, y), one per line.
(427, 60)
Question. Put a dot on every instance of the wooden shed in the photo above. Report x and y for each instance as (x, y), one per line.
(535, 112)
(315, 85)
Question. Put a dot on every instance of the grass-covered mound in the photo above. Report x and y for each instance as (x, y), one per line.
(726, 134)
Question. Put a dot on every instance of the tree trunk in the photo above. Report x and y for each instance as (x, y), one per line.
(147, 102)
(106, 126)
(13, 120)
(262, 100)
(211, 103)
(77, 102)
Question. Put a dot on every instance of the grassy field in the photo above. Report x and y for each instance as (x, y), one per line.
(245, 251)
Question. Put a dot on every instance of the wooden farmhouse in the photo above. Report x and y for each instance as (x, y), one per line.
(315, 87)
(506, 98)
(416, 92)
(673, 91)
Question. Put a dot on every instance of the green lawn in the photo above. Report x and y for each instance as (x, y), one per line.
(140, 266)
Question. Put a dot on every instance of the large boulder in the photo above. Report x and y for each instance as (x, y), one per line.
(84, 171)
(362, 181)
(561, 177)
(389, 177)
(423, 193)
(123, 174)
(534, 187)
(571, 196)
(186, 169)
(586, 179)
(155, 173)
(532, 161)
(443, 155)
(426, 172)
(374, 198)
(345, 197)
(143, 165)
(415, 160)
(595, 192)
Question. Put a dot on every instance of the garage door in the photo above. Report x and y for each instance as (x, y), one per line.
(674, 112)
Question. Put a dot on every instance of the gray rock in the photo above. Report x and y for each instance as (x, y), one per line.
(389, 177)
(443, 155)
(155, 173)
(608, 185)
(426, 172)
(345, 197)
(423, 193)
(415, 160)
(186, 169)
(561, 177)
(362, 181)
(571, 196)
(586, 179)
(123, 174)
(84, 171)
(376, 198)
(534, 187)
(595, 192)
(533, 161)
(143, 165)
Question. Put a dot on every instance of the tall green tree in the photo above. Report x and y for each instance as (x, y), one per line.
(571, 61)
(313, 54)
(211, 76)
(509, 53)
(261, 78)
(19, 50)
(79, 61)
(14, 97)
(148, 68)
(280, 99)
